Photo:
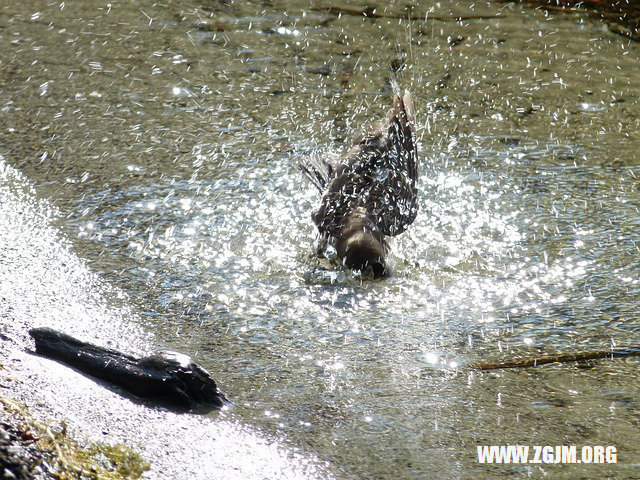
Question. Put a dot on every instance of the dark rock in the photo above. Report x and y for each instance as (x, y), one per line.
(166, 378)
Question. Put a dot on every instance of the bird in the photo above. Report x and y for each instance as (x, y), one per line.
(370, 193)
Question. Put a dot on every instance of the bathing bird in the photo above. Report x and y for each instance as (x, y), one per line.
(370, 192)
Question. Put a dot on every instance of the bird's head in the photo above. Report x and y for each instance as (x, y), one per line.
(363, 250)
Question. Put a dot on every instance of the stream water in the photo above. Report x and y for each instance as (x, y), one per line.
(166, 135)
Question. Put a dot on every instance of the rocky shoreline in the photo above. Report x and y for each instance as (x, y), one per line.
(20, 458)
(32, 450)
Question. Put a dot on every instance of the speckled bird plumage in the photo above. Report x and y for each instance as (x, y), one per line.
(371, 192)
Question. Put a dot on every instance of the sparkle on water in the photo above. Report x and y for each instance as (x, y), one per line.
(193, 208)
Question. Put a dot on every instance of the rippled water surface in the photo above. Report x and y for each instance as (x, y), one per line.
(167, 135)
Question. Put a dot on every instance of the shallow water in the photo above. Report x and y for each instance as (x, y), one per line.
(167, 137)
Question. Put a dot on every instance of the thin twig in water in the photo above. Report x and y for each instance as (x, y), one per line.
(371, 12)
(561, 358)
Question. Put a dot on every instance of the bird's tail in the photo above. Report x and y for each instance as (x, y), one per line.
(402, 130)
(317, 169)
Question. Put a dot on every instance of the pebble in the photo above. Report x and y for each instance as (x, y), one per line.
(8, 475)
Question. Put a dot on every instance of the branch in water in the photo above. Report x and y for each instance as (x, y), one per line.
(561, 358)
(371, 12)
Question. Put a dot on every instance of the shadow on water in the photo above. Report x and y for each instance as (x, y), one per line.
(168, 137)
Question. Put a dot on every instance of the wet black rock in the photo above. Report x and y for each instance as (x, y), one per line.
(166, 378)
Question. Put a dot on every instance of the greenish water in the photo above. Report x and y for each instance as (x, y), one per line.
(167, 136)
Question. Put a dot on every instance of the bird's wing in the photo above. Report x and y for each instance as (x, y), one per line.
(318, 168)
(393, 202)
(378, 176)
(393, 196)
(344, 193)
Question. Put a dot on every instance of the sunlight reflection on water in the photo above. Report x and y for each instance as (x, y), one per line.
(191, 204)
